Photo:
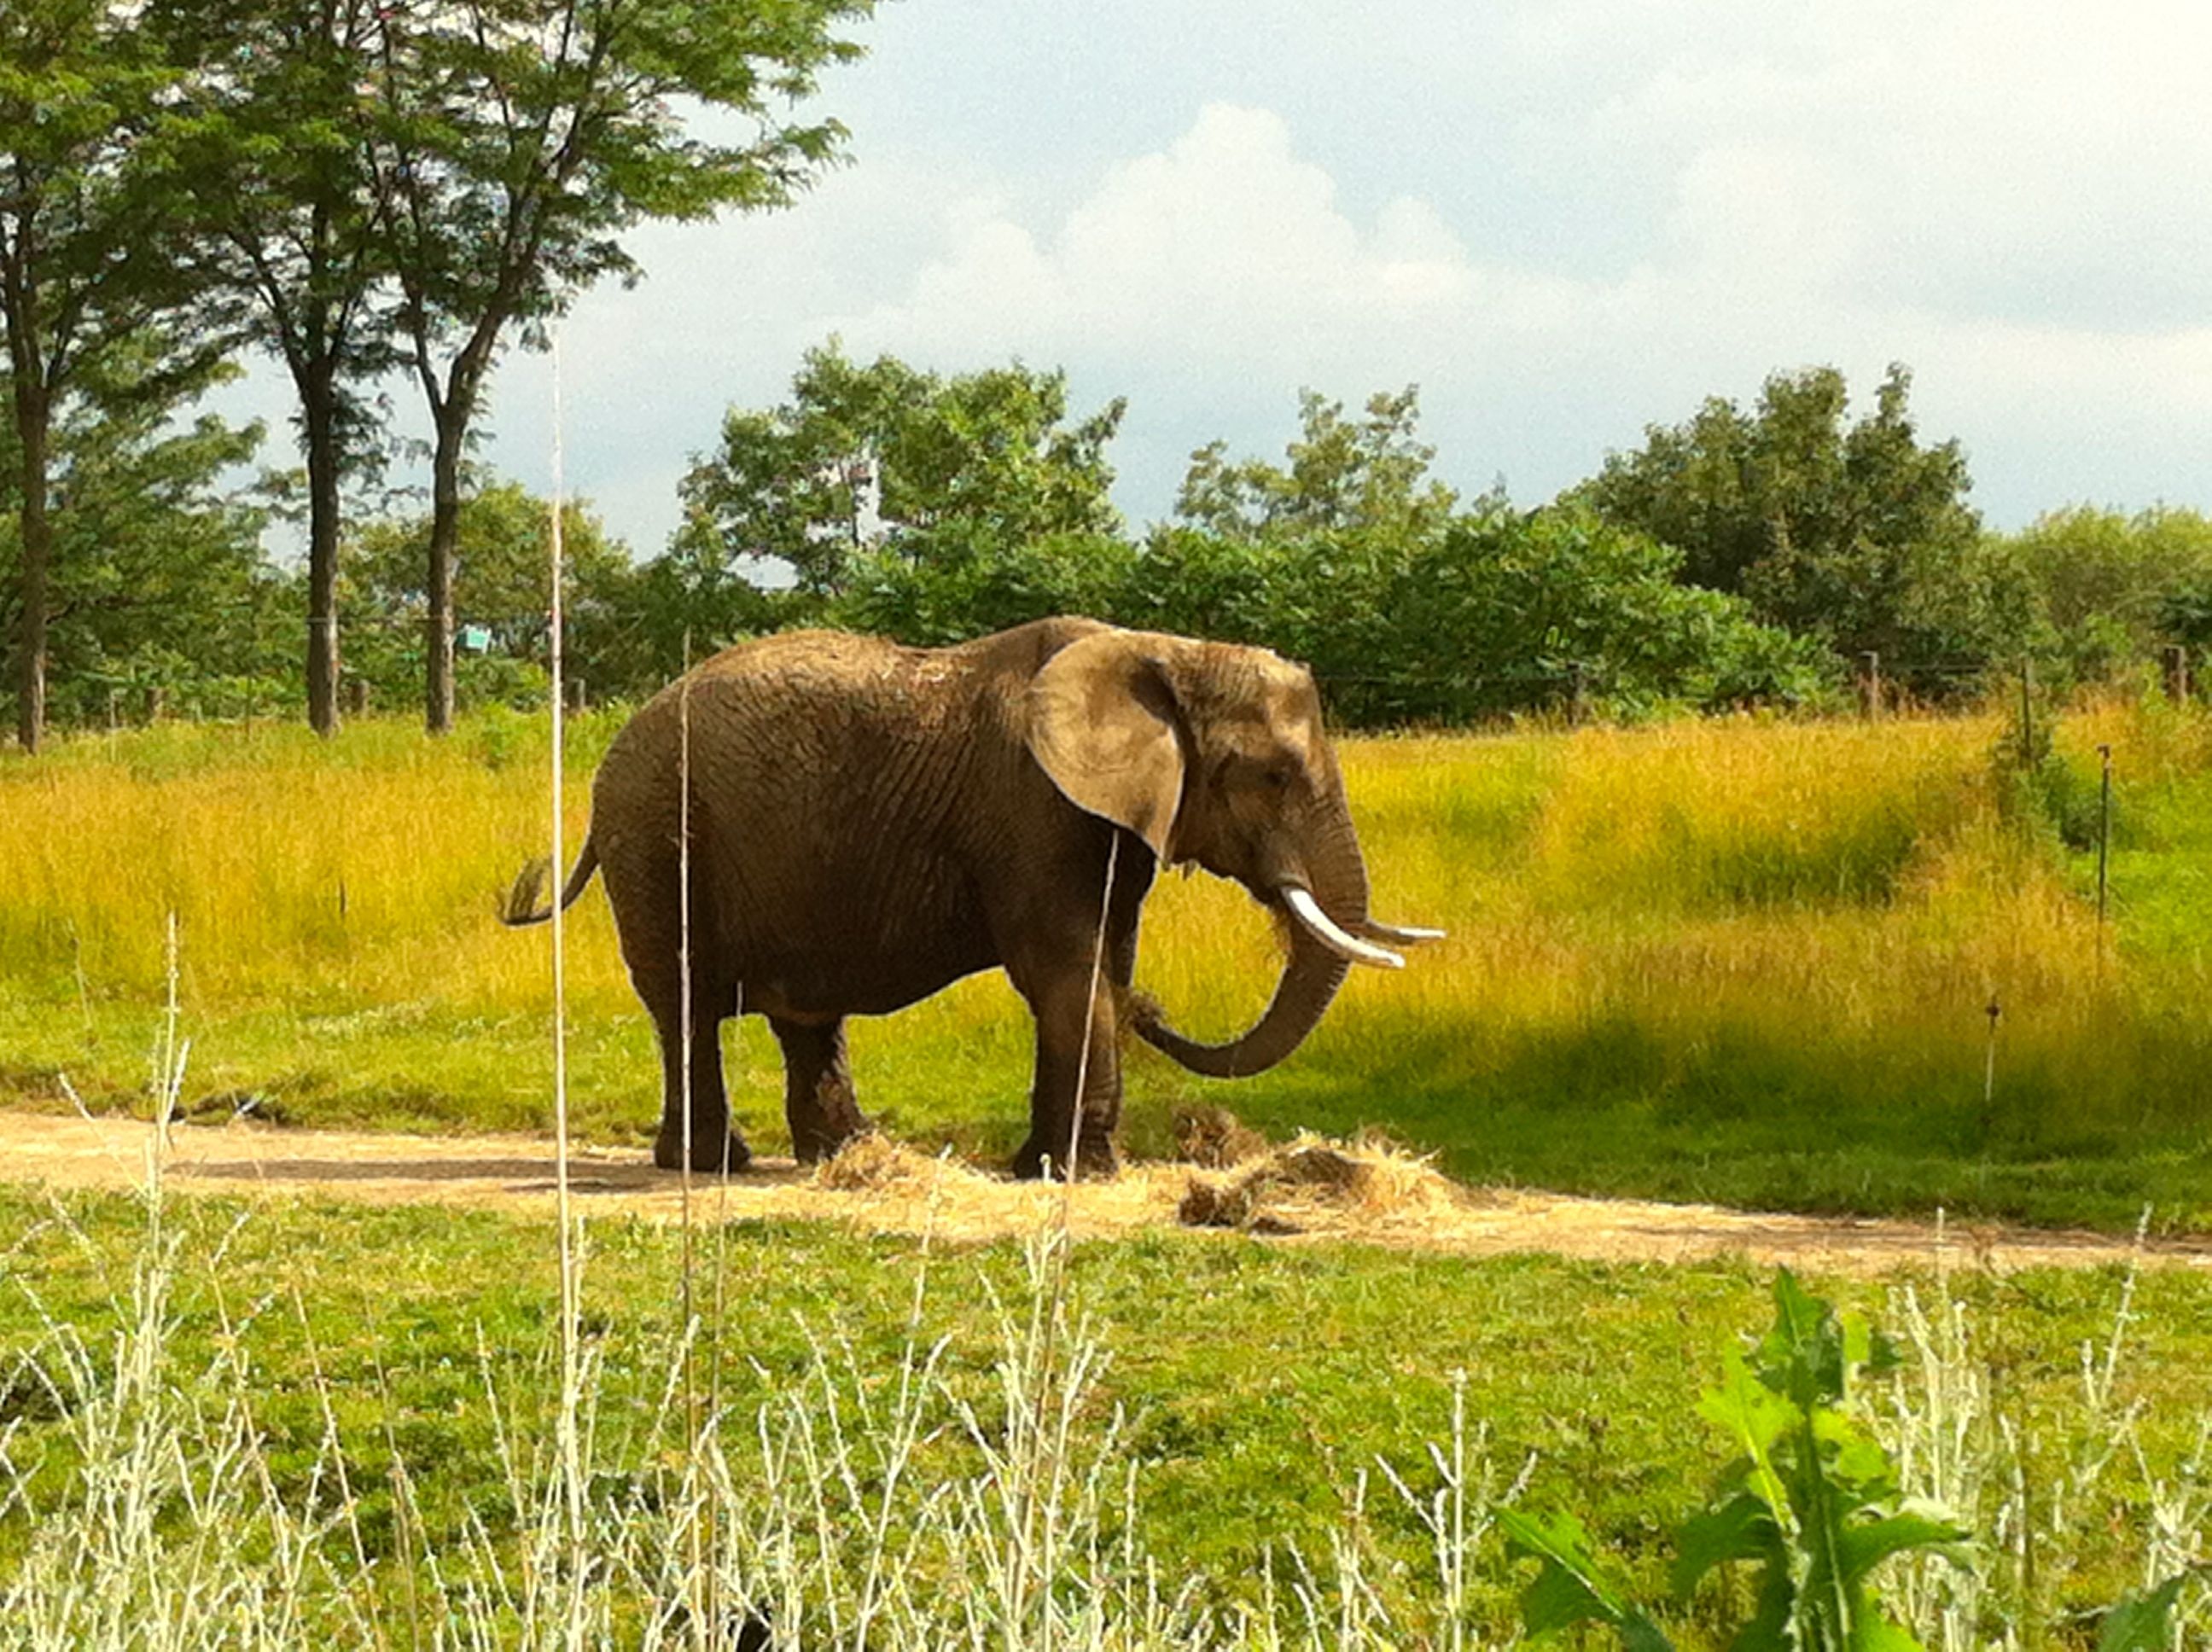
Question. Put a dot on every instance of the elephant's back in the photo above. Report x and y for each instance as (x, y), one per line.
(826, 773)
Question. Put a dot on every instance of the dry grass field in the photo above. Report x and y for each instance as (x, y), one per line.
(1741, 960)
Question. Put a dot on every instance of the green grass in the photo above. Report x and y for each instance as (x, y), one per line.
(1737, 960)
(1260, 1384)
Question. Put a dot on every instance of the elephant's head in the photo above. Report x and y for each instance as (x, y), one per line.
(1216, 753)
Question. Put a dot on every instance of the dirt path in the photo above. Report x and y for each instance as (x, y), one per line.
(1390, 1201)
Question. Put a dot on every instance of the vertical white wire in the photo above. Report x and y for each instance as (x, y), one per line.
(573, 1476)
(695, 1587)
(683, 948)
(1089, 1020)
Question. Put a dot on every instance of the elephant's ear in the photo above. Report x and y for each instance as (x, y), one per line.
(1102, 722)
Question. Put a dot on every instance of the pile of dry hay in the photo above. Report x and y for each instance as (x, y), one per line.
(1310, 1183)
(873, 1164)
(1229, 1177)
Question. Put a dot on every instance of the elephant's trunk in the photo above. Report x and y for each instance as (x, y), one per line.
(1311, 977)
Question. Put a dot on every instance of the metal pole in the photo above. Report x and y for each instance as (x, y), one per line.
(1995, 1011)
(2104, 832)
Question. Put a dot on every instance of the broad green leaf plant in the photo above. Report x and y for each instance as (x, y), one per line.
(1811, 1499)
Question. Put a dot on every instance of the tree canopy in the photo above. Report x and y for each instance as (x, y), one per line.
(518, 141)
(1854, 532)
(1369, 473)
(889, 458)
(94, 311)
(502, 594)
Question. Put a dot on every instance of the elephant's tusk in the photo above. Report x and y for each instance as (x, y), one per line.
(1400, 936)
(1307, 911)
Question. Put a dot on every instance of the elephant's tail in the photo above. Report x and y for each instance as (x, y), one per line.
(520, 908)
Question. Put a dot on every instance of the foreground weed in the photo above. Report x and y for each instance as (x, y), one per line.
(2037, 1491)
(1812, 1501)
(937, 1499)
(171, 1535)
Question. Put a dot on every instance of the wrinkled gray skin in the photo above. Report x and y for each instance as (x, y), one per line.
(871, 822)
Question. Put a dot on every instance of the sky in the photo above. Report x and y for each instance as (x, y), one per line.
(1563, 220)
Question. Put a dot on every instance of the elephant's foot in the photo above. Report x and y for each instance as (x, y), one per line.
(712, 1153)
(1096, 1159)
(816, 1143)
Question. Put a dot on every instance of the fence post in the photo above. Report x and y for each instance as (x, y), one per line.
(2177, 673)
(356, 696)
(156, 702)
(2104, 831)
(1870, 684)
(1995, 1011)
(2028, 714)
(578, 700)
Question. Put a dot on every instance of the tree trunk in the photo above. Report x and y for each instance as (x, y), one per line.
(318, 409)
(445, 532)
(32, 412)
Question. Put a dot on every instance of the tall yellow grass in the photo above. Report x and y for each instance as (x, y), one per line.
(1810, 888)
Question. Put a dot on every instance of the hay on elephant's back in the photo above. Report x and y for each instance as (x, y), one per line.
(1313, 1183)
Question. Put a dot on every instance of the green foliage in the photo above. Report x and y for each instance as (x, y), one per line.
(265, 159)
(966, 588)
(2038, 788)
(1369, 474)
(1349, 559)
(1480, 616)
(502, 584)
(2112, 589)
(1853, 533)
(96, 304)
(2144, 1622)
(519, 144)
(1572, 1585)
(1502, 612)
(1812, 1500)
(889, 463)
(157, 578)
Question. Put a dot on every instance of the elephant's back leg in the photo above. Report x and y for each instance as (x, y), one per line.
(677, 962)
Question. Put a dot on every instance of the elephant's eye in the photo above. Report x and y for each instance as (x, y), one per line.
(1273, 775)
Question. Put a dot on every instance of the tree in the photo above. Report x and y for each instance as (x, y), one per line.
(892, 459)
(2111, 588)
(158, 581)
(502, 587)
(1856, 533)
(1369, 473)
(518, 139)
(988, 587)
(90, 306)
(270, 151)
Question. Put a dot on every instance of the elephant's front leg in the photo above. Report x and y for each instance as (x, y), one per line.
(1067, 1061)
(817, 1088)
(697, 1092)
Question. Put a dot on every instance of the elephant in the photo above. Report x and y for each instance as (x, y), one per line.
(869, 822)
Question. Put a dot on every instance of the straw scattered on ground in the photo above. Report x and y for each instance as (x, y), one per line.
(1306, 1191)
(1310, 1184)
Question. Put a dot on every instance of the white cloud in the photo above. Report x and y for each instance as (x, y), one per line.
(1564, 219)
(1225, 248)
